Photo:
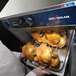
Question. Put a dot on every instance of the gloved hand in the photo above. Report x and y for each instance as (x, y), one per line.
(39, 71)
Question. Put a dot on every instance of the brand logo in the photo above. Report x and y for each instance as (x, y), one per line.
(69, 4)
(54, 19)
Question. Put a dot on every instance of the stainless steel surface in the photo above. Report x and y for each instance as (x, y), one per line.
(73, 70)
(21, 34)
(14, 7)
(42, 9)
(35, 11)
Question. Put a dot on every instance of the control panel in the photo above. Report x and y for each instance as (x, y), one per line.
(18, 22)
(65, 16)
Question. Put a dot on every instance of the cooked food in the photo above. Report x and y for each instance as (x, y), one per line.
(47, 56)
(62, 42)
(44, 63)
(62, 33)
(55, 59)
(39, 37)
(36, 59)
(54, 62)
(56, 39)
(43, 54)
(29, 51)
(53, 38)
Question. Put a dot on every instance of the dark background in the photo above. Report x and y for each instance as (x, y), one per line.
(3, 3)
(9, 39)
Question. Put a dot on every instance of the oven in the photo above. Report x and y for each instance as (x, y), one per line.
(56, 18)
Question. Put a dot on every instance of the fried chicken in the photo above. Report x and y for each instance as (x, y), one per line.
(55, 59)
(47, 56)
(54, 38)
(29, 51)
(39, 37)
(54, 62)
(43, 53)
(62, 42)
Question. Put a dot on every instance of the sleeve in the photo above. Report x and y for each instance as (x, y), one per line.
(31, 74)
(10, 65)
(17, 54)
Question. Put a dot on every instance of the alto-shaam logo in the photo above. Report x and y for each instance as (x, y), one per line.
(56, 17)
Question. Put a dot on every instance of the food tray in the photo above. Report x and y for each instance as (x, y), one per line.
(63, 55)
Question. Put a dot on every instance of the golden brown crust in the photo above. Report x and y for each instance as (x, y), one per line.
(54, 62)
(54, 38)
(36, 59)
(55, 59)
(28, 50)
(39, 37)
(44, 63)
(37, 41)
(43, 53)
(62, 42)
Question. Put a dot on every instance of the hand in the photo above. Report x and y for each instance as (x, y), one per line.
(22, 56)
(39, 71)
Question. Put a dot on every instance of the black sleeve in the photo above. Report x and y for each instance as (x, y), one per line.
(9, 39)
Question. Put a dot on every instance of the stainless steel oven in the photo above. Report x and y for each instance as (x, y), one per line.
(57, 17)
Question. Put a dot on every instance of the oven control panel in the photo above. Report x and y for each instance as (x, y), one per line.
(65, 16)
(22, 22)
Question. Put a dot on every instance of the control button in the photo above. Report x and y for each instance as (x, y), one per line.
(29, 21)
(21, 21)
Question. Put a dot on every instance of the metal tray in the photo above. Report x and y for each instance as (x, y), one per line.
(63, 55)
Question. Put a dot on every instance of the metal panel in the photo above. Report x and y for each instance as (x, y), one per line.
(14, 7)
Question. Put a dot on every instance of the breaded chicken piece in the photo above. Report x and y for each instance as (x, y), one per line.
(43, 53)
(55, 59)
(29, 51)
(39, 37)
(53, 38)
(54, 62)
(47, 56)
(63, 41)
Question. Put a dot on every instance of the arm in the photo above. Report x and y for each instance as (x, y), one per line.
(39, 71)
(31, 74)
(17, 54)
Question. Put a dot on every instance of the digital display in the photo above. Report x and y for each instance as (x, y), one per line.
(13, 22)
